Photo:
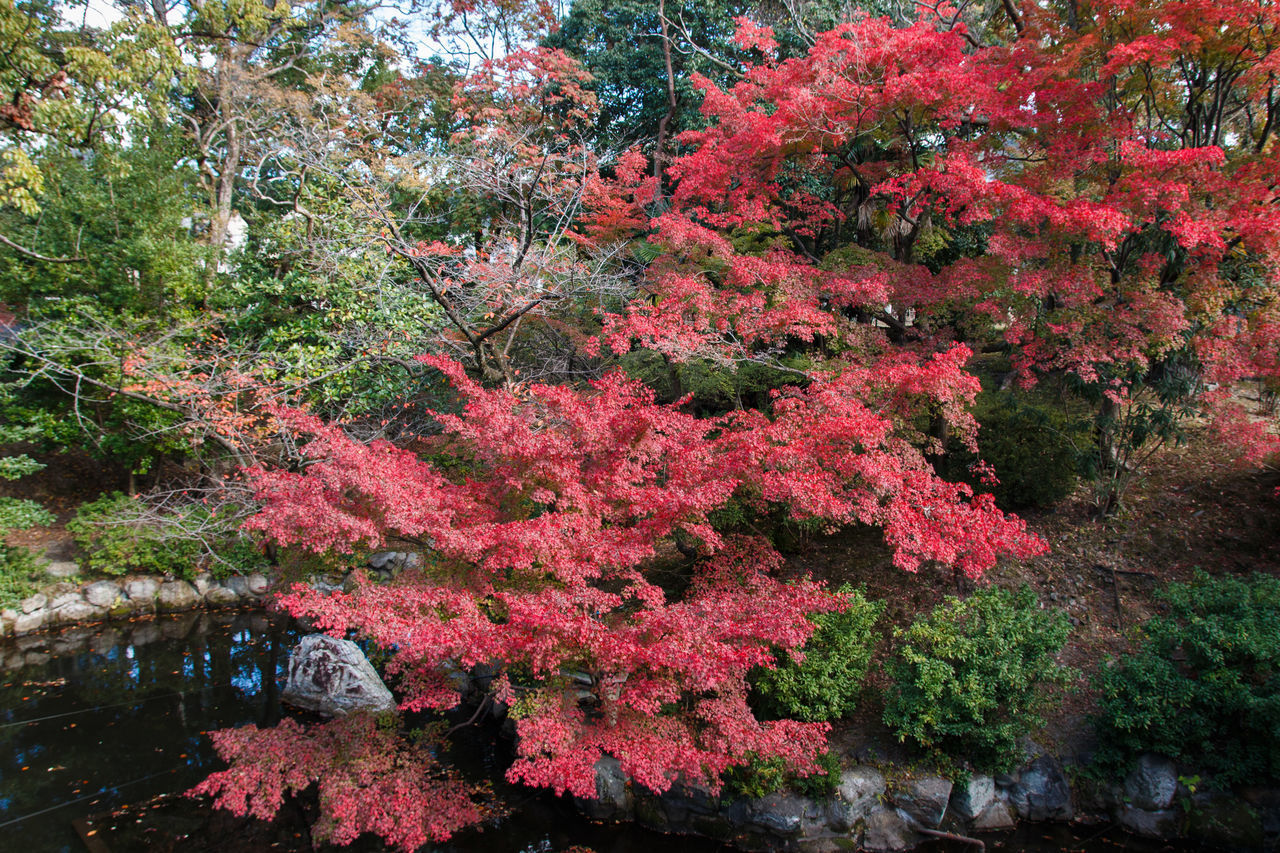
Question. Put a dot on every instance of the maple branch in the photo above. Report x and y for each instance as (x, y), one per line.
(36, 256)
(1012, 12)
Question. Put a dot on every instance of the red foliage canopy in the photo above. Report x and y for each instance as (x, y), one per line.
(1124, 217)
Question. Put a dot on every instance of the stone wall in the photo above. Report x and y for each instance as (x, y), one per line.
(887, 809)
(69, 603)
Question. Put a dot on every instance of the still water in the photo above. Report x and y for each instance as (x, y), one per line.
(100, 722)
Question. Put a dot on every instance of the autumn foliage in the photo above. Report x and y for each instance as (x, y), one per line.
(1116, 179)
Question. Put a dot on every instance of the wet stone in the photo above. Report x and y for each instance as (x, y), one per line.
(1152, 782)
(103, 594)
(970, 799)
(176, 595)
(925, 800)
(220, 596)
(997, 815)
(888, 830)
(28, 622)
(333, 677)
(62, 569)
(66, 598)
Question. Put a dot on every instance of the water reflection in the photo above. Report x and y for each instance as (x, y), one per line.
(96, 717)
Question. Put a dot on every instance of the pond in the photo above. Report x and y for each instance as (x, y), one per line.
(104, 720)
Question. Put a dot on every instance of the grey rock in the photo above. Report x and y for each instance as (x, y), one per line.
(888, 830)
(393, 562)
(221, 596)
(66, 598)
(997, 815)
(142, 589)
(1041, 791)
(62, 569)
(28, 622)
(78, 610)
(972, 798)
(203, 583)
(614, 799)
(239, 584)
(257, 584)
(33, 603)
(779, 813)
(1152, 783)
(327, 583)
(103, 594)
(861, 787)
(333, 677)
(1161, 823)
(176, 595)
(925, 800)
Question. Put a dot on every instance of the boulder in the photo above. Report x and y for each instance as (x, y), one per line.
(77, 610)
(779, 813)
(221, 596)
(997, 815)
(103, 594)
(257, 584)
(28, 622)
(888, 830)
(176, 595)
(1152, 783)
(333, 677)
(859, 791)
(614, 799)
(1040, 791)
(203, 583)
(393, 562)
(142, 592)
(239, 584)
(1161, 823)
(62, 569)
(61, 601)
(33, 603)
(972, 798)
(925, 800)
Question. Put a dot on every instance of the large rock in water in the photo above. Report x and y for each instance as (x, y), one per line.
(333, 677)
(1152, 783)
(1040, 791)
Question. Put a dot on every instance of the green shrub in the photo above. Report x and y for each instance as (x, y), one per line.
(1204, 685)
(971, 678)
(761, 777)
(19, 568)
(117, 535)
(826, 685)
(19, 574)
(1033, 446)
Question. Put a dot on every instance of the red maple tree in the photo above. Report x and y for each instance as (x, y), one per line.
(1123, 219)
